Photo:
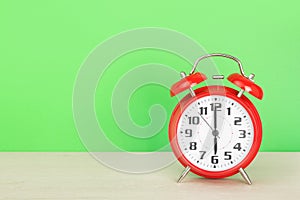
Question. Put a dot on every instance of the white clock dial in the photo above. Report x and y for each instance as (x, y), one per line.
(215, 133)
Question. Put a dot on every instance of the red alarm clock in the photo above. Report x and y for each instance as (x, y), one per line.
(215, 131)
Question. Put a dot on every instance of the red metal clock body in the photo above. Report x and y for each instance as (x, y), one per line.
(215, 131)
(229, 93)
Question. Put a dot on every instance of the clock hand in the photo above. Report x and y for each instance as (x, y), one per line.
(206, 122)
(215, 132)
(215, 145)
(215, 118)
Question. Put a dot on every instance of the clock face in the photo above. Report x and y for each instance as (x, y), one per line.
(215, 133)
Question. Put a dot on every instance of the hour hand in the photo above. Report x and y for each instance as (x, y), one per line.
(215, 145)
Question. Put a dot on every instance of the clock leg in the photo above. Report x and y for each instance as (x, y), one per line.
(245, 176)
(183, 174)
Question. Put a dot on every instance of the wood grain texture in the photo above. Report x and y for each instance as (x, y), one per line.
(79, 176)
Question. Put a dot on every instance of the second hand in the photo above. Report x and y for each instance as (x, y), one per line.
(206, 122)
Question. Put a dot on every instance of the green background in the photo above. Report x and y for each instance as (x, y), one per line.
(43, 44)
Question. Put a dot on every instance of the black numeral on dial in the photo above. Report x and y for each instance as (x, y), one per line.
(237, 146)
(203, 110)
(216, 106)
(214, 160)
(188, 132)
(193, 145)
(202, 154)
(229, 111)
(237, 121)
(227, 155)
(242, 134)
(194, 120)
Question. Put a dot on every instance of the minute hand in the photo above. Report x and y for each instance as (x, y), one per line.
(215, 132)
(215, 119)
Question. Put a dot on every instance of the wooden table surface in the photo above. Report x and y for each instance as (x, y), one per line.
(79, 176)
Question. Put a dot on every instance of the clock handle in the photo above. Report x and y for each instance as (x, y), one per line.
(245, 83)
(219, 55)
